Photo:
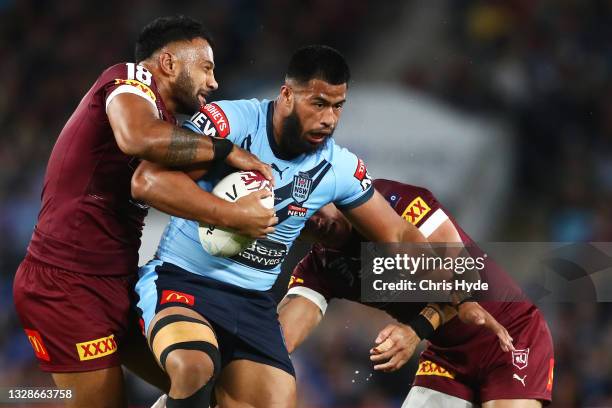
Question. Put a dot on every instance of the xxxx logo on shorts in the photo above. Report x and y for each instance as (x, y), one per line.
(416, 210)
(427, 367)
(172, 296)
(89, 350)
(37, 344)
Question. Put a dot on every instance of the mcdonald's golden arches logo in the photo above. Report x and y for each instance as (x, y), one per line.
(37, 344)
(172, 296)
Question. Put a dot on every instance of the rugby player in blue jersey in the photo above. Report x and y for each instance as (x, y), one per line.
(213, 320)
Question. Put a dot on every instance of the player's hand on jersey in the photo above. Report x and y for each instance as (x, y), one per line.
(244, 160)
(252, 219)
(395, 345)
(473, 313)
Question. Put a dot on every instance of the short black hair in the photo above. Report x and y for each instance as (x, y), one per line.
(318, 62)
(164, 30)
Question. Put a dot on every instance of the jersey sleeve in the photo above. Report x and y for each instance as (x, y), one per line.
(421, 208)
(128, 78)
(353, 183)
(233, 120)
(307, 281)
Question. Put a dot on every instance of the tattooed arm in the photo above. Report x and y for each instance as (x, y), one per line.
(140, 133)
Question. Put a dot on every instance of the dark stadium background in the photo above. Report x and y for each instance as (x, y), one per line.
(516, 90)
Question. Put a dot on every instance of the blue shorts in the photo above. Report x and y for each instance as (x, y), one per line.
(245, 321)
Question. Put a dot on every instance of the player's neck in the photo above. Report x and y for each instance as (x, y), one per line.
(277, 125)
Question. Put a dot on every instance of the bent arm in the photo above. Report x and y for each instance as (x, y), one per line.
(298, 317)
(139, 132)
(175, 192)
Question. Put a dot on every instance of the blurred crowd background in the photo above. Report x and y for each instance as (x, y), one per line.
(523, 86)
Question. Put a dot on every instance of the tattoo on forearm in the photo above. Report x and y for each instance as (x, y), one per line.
(433, 315)
(183, 147)
(429, 313)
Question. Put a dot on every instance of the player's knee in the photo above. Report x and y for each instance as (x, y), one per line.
(286, 397)
(192, 372)
(189, 370)
(280, 394)
(186, 348)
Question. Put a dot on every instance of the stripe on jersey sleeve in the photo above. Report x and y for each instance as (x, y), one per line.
(129, 89)
(433, 222)
(312, 295)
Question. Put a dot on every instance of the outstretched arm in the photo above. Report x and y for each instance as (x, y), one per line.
(396, 343)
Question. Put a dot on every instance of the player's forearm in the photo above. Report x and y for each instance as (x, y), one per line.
(298, 317)
(173, 146)
(175, 193)
(431, 318)
(409, 233)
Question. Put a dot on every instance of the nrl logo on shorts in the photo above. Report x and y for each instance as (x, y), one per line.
(301, 187)
(520, 358)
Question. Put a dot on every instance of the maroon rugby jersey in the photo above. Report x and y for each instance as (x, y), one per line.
(316, 278)
(88, 222)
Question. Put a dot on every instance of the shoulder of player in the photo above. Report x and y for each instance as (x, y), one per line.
(403, 189)
(246, 106)
(420, 192)
(117, 68)
(338, 155)
(249, 111)
(236, 118)
(343, 162)
(128, 73)
(117, 71)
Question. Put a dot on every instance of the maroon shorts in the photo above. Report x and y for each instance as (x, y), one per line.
(479, 371)
(74, 322)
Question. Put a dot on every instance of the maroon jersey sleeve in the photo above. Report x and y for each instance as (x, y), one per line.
(128, 78)
(308, 281)
(416, 205)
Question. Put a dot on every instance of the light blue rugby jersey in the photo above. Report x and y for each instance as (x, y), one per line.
(303, 185)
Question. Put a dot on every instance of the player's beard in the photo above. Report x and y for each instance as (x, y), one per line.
(292, 141)
(186, 97)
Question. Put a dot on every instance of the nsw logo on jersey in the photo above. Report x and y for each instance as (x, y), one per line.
(302, 183)
(361, 174)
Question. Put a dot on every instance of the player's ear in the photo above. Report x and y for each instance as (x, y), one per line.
(168, 63)
(287, 95)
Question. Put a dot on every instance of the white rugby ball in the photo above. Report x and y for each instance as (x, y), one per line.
(223, 242)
